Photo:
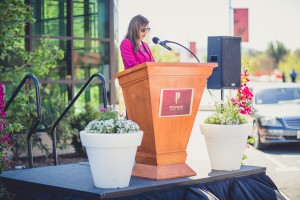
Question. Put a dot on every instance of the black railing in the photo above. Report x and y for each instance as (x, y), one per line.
(53, 129)
(38, 108)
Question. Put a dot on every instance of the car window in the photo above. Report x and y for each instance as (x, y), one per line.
(277, 95)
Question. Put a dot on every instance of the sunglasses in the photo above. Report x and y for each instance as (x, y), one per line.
(143, 30)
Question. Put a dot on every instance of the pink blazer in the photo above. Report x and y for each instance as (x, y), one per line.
(131, 58)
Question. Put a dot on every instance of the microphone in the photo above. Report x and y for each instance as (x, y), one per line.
(162, 43)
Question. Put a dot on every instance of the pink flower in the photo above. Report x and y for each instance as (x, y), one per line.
(103, 109)
(4, 136)
(244, 95)
(3, 114)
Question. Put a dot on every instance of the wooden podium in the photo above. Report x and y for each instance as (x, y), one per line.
(163, 98)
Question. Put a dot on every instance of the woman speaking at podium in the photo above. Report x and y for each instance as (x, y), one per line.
(133, 50)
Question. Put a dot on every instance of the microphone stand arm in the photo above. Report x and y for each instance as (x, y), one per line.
(167, 41)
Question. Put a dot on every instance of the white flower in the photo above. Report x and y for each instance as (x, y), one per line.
(126, 126)
(112, 126)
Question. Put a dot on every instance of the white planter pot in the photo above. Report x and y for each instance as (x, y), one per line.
(225, 144)
(111, 157)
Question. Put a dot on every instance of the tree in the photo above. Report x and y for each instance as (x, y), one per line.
(277, 51)
(291, 61)
(259, 62)
(297, 52)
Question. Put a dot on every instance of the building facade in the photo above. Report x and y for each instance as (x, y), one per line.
(87, 32)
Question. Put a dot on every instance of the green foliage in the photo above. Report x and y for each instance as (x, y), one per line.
(234, 111)
(81, 119)
(226, 114)
(13, 17)
(162, 55)
(51, 110)
(15, 63)
(79, 122)
(18, 119)
(108, 113)
(291, 61)
(276, 50)
(259, 62)
(38, 62)
(297, 52)
(276, 56)
(250, 140)
(21, 115)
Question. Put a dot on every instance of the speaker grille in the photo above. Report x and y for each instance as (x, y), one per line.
(226, 51)
(231, 59)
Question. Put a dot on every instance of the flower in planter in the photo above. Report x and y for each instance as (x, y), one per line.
(110, 152)
(234, 111)
(109, 122)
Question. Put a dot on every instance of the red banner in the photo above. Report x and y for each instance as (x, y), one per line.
(241, 23)
(192, 48)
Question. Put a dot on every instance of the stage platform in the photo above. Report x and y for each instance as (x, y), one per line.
(74, 181)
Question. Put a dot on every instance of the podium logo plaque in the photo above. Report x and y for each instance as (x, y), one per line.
(176, 102)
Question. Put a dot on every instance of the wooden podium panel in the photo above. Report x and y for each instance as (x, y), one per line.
(163, 98)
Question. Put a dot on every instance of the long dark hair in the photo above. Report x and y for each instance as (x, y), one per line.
(134, 29)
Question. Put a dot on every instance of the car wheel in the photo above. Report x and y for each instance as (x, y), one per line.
(257, 143)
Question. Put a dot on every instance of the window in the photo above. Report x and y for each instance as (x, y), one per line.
(82, 29)
(278, 95)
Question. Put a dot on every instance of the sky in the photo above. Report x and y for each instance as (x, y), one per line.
(183, 21)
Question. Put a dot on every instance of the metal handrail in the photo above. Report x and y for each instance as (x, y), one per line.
(38, 107)
(53, 129)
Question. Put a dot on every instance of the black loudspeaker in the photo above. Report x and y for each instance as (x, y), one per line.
(226, 51)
